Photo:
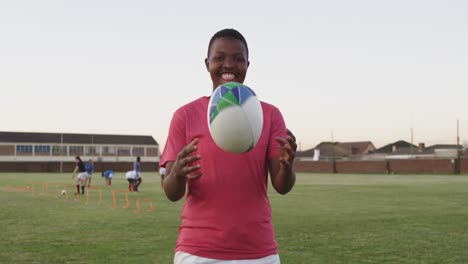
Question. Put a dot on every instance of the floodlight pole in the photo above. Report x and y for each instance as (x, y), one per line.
(61, 153)
(333, 153)
(458, 163)
(411, 147)
(92, 147)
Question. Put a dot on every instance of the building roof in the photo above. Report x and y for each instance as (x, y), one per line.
(392, 147)
(342, 149)
(361, 147)
(406, 151)
(69, 138)
(444, 146)
(305, 153)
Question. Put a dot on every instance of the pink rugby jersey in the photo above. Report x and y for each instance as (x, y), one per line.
(227, 213)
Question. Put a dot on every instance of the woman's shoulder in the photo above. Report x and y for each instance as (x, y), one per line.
(192, 106)
(268, 107)
(197, 102)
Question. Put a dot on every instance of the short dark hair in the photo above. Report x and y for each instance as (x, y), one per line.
(228, 33)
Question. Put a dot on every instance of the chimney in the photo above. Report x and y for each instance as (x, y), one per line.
(316, 154)
(394, 148)
(421, 147)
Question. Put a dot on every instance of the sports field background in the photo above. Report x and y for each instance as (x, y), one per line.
(327, 218)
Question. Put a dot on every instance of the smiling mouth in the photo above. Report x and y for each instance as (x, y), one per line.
(228, 76)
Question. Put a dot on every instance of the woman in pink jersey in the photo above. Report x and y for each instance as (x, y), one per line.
(227, 212)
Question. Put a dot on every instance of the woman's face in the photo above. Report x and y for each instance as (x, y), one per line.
(227, 61)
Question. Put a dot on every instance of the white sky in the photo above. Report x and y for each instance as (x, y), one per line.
(354, 70)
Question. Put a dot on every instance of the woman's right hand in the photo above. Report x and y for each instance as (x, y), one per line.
(184, 166)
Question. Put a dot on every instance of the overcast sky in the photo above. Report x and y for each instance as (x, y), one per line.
(342, 70)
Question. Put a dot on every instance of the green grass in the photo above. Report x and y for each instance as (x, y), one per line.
(325, 219)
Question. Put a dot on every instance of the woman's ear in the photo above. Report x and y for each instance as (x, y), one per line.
(206, 64)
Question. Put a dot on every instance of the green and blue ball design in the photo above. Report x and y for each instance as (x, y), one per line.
(227, 95)
(235, 117)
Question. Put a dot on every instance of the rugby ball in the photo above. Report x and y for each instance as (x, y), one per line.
(235, 117)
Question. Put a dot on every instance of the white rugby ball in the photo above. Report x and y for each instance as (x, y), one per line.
(235, 117)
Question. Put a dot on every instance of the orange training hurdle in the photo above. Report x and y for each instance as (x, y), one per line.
(57, 190)
(65, 187)
(145, 200)
(127, 205)
(89, 191)
(18, 188)
(22, 188)
(37, 183)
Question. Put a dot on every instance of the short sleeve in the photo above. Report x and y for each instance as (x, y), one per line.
(278, 129)
(176, 139)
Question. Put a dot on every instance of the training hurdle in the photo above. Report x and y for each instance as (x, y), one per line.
(114, 192)
(33, 187)
(145, 200)
(23, 188)
(139, 202)
(57, 189)
(88, 192)
(65, 187)
(18, 188)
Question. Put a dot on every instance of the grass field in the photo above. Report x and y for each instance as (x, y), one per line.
(325, 219)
